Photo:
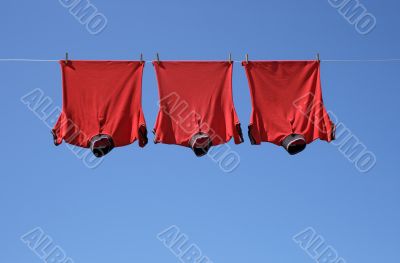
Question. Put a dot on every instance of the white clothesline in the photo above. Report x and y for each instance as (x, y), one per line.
(236, 61)
(362, 60)
(26, 60)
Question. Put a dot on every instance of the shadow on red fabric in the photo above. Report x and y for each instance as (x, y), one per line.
(288, 109)
(101, 105)
(196, 105)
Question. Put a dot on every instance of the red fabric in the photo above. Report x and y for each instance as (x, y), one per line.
(194, 97)
(101, 97)
(287, 99)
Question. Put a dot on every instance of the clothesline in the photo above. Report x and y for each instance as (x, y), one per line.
(362, 60)
(236, 61)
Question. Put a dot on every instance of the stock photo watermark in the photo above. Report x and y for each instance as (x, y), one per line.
(348, 144)
(316, 247)
(44, 247)
(180, 246)
(46, 111)
(86, 14)
(178, 110)
(356, 14)
(351, 147)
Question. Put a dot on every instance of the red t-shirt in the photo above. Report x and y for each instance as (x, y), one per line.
(101, 97)
(195, 97)
(286, 99)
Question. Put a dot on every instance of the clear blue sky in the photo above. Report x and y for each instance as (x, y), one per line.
(113, 213)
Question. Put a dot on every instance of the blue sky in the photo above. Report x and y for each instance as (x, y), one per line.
(114, 213)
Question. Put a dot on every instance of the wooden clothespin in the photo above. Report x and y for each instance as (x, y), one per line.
(230, 58)
(318, 59)
(66, 58)
(141, 58)
(158, 58)
(247, 58)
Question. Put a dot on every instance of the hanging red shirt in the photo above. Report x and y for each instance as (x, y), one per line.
(195, 103)
(101, 99)
(287, 99)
